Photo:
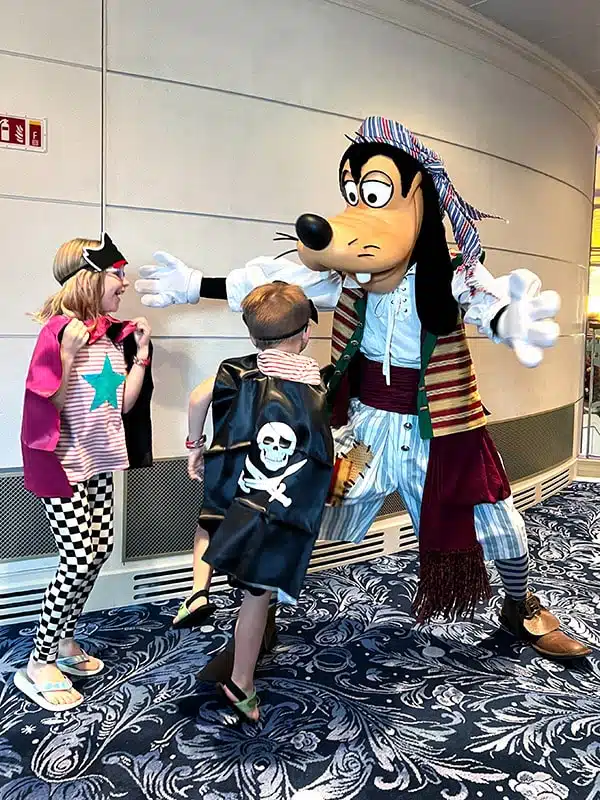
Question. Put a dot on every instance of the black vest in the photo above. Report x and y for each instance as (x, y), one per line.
(267, 475)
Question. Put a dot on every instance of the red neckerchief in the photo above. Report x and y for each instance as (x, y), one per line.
(98, 328)
(289, 366)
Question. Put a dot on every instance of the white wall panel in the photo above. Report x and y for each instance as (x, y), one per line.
(510, 390)
(32, 232)
(179, 365)
(219, 153)
(216, 246)
(70, 98)
(14, 357)
(544, 217)
(321, 55)
(67, 30)
(228, 155)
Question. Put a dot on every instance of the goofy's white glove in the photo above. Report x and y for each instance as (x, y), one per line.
(526, 324)
(168, 282)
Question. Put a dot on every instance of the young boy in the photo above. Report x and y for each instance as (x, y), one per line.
(267, 472)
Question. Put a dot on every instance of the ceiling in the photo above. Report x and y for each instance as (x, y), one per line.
(567, 29)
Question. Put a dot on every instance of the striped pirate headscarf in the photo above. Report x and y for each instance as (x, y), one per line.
(462, 215)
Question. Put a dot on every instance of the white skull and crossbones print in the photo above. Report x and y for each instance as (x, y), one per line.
(276, 442)
(276, 445)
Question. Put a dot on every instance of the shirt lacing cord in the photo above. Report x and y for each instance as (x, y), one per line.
(387, 357)
(394, 306)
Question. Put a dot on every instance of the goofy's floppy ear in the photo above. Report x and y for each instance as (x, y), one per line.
(436, 306)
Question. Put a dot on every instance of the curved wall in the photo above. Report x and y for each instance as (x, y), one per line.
(225, 121)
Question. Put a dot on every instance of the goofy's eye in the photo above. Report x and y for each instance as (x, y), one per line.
(350, 192)
(376, 193)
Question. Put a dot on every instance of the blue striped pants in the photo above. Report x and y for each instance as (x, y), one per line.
(399, 464)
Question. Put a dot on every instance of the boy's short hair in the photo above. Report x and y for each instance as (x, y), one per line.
(275, 312)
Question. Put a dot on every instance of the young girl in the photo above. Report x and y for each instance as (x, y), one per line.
(86, 414)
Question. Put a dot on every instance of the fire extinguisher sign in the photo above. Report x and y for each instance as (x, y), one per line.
(23, 133)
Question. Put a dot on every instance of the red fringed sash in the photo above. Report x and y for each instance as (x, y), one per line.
(464, 470)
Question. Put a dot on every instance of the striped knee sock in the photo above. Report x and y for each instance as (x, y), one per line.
(514, 574)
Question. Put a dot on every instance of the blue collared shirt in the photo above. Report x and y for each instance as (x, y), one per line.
(392, 333)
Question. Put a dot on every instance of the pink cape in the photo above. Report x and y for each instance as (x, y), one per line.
(40, 430)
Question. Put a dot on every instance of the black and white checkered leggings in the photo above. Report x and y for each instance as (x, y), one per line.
(83, 530)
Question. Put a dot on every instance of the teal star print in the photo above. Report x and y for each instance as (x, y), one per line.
(105, 385)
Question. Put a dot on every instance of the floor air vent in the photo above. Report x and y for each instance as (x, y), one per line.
(555, 484)
(21, 606)
(406, 538)
(526, 498)
(334, 554)
(167, 583)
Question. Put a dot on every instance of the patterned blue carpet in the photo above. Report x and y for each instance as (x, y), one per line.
(356, 703)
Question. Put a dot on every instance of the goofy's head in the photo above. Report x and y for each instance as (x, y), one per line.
(396, 192)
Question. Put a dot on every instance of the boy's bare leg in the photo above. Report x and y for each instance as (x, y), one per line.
(220, 667)
(249, 632)
(202, 573)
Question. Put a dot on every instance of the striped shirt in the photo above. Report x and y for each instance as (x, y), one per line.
(92, 436)
(289, 366)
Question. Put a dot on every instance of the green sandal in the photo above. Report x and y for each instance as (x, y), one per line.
(196, 617)
(245, 703)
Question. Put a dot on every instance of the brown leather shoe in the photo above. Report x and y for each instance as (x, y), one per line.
(220, 667)
(530, 621)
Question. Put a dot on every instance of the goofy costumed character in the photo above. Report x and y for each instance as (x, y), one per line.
(405, 408)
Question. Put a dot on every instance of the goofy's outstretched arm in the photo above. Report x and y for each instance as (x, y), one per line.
(171, 282)
(510, 309)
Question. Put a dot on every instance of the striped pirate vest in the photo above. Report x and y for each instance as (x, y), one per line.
(448, 398)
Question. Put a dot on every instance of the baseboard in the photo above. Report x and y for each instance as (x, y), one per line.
(588, 468)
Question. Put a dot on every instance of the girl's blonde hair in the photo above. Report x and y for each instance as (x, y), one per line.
(81, 294)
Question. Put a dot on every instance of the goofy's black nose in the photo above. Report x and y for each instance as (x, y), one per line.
(314, 232)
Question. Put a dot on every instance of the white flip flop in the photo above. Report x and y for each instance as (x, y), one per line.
(68, 665)
(35, 691)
